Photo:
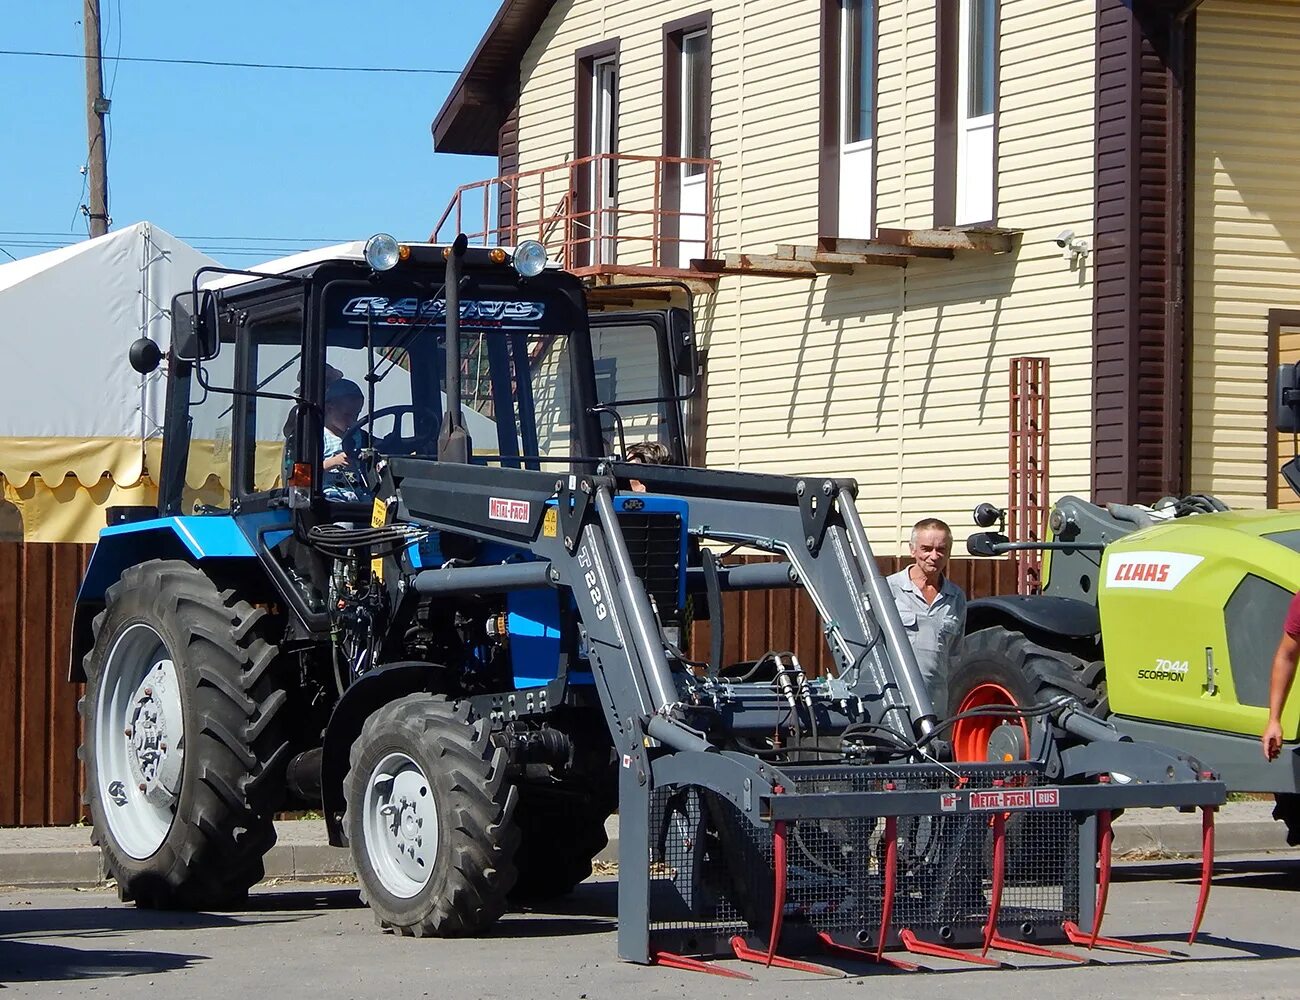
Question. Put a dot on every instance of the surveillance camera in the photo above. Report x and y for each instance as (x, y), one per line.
(1064, 238)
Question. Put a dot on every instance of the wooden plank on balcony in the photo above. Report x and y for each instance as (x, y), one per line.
(834, 244)
(978, 239)
(829, 260)
(759, 265)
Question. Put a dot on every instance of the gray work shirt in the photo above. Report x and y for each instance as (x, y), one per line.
(935, 630)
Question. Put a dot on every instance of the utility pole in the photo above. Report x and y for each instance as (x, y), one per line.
(96, 109)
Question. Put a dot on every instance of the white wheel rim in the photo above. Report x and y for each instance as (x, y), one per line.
(139, 741)
(400, 825)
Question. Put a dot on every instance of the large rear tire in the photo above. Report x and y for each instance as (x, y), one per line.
(184, 741)
(430, 817)
(998, 666)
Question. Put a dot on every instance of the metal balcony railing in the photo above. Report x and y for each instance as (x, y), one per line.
(605, 213)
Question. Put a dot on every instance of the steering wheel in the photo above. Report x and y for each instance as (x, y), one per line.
(394, 442)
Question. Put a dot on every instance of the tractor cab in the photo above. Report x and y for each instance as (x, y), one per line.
(296, 387)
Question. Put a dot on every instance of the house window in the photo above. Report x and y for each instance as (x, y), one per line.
(593, 230)
(857, 93)
(976, 110)
(688, 72)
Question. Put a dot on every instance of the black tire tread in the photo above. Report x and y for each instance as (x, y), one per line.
(234, 757)
(484, 837)
(561, 837)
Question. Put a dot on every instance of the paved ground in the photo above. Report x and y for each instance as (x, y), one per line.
(309, 941)
(63, 856)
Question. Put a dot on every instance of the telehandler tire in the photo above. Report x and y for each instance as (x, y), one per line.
(184, 738)
(998, 666)
(431, 819)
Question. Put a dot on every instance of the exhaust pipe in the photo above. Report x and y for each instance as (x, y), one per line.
(454, 444)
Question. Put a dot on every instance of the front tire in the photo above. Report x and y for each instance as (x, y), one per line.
(430, 817)
(184, 739)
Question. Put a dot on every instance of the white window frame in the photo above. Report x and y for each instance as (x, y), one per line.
(976, 135)
(691, 187)
(857, 195)
(602, 194)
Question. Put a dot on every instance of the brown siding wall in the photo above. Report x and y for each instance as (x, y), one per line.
(1134, 263)
(39, 730)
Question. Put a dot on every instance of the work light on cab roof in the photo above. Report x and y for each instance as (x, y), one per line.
(382, 252)
(530, 258)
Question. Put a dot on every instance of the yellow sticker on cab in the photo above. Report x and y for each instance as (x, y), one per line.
(551, 522)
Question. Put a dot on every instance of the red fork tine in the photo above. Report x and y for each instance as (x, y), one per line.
(1207, 868)
(1105, 838)
(999, 875)
(891, 878)
(671, 961)
(778, 879)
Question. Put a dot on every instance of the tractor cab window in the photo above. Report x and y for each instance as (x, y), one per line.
(513, 371)
(209, 460)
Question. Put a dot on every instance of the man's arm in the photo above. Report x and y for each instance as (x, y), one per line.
(1284, 666)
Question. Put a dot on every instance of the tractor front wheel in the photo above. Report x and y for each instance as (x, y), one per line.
(430, 817)
(184, 739)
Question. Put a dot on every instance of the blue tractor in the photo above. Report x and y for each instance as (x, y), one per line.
(401, 570)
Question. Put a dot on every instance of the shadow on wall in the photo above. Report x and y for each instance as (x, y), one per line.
(884, 302)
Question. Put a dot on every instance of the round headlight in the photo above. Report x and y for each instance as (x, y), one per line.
(530, 258)
(382, 252)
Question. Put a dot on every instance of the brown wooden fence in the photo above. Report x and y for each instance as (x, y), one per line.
(39, 728)
(761, 620)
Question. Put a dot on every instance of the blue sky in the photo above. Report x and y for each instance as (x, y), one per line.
(208, 152)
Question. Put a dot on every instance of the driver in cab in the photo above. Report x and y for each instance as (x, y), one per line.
(343, 403)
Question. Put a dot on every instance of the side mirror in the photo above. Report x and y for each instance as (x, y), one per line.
(195, 330)
(1291, 473)
(986, 515)
(145, 356)
(1286, 404)
(681, 343)
(982, 543)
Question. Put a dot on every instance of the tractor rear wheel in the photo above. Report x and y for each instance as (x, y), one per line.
(431, 819)
(184, 738)
(1001, 667)
(561, 836)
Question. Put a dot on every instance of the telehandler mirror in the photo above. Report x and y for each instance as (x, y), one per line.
(1286, 404)
(1291, 473)
(145, 356)
(681, 343)
(195, 333)
(982, 543)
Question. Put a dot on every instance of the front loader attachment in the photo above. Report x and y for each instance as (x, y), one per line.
(963, 862)
(765, 812)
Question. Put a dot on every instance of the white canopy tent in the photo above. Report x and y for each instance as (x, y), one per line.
(77, 422)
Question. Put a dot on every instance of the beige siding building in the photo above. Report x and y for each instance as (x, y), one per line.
(875, 235)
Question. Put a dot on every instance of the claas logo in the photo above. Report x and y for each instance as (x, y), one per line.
(1147, 572)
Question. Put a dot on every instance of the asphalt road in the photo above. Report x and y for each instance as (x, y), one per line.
(316, 941)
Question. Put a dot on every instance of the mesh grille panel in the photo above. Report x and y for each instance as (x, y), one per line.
(712, 870)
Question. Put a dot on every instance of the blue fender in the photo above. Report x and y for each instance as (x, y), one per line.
(191, 539)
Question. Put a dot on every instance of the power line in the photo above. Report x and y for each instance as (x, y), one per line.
(230, 63)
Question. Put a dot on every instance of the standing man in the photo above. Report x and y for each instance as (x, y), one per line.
(932, 607)
(1284, 664)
